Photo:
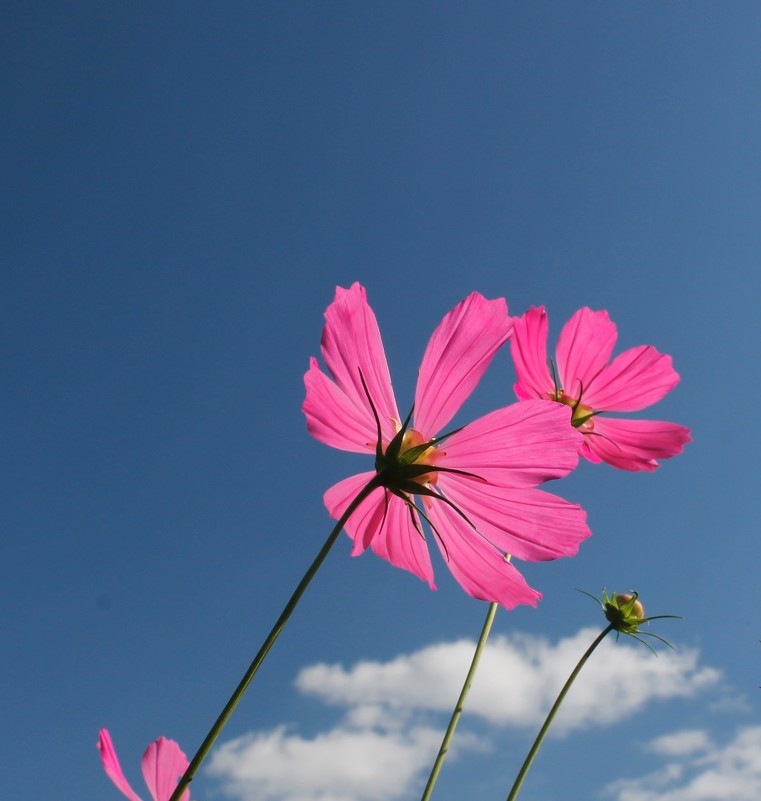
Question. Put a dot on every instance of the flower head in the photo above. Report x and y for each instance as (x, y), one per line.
(582, 379)
(474, 486)
(163, 764)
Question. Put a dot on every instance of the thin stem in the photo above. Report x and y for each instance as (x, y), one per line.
(551, 716)
(224, 715)
(455, 719)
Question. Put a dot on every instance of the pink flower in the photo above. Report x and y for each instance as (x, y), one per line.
(474, 486)
(585, 381)
(163, 765)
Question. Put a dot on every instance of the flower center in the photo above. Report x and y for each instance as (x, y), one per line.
(582, 417)
(411, 442)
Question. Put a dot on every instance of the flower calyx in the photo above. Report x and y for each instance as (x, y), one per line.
(407, 465)
(582, 417)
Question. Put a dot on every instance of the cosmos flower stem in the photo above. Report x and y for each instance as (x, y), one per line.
(454, 720)
(224, 716)
(551, 716)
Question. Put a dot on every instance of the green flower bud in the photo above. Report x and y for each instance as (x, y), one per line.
(626, 614)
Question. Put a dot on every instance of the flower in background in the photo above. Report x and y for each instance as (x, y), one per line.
(474, 486)
(582, 379)
(163, 764)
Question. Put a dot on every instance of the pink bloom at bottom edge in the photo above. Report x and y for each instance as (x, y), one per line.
(163, 765)
(488, 469)
(589, 383)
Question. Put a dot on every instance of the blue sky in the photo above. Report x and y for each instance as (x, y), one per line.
(183, 187)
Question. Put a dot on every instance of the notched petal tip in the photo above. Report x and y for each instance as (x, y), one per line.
(335, 418)
(634, 380)
(636, 445)
(584, 347)
(163, 765)
(528, 347)
(456, 357)
(112, 767)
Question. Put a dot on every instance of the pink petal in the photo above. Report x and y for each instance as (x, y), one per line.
(333, 417)
(112, 767)
(383, 522)
(635, 379)
(584, 347)
(528, 523)
(457, 355)
(480, 568)
(365, 522)
(636, 444)
(402, 544)
(163, 765)
(528, 345)
(588, 453)
(520, 445)
(352, 349)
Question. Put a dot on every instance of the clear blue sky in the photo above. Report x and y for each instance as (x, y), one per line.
(183, 186)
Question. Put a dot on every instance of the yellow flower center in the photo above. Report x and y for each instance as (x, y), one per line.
(582, 417)
(412, 439)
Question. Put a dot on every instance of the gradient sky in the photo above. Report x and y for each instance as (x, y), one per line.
(183, 186)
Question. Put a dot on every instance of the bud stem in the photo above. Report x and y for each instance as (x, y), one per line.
(551, 716)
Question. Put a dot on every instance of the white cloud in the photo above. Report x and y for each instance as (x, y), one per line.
(394, 713)
(344, 764)
(680, 743)
(701, 771)
(518, 680)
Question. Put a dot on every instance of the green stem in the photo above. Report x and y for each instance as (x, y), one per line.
(455, 719)
(224, 715)
(551, 716)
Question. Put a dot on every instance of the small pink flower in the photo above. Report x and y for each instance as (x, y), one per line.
(474, 486)
(163, 765)
(585, 381)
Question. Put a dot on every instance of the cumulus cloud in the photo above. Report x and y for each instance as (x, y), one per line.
(699, 769)
(681, 743)
(393, 713)
(345, 764)
(518, 680)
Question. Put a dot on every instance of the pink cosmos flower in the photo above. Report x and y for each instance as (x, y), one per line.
(474, 486)
(585, 381)
(163, 765)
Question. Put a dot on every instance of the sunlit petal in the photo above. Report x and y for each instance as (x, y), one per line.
(584, 348)
(528, 345)
(111, 765)
(636, 444)
(353, 351)
(520, 445)
(333, 417)
(479, 567)
(163, 765)
(460, 350)
(528, 523)
(634, 380)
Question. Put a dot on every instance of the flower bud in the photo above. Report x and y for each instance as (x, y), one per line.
(637, 609)
(626, 613)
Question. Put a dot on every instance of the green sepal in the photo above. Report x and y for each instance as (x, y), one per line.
(395, 446)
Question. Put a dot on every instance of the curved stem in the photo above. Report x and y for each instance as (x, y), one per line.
(224, 715)
(455, 719)
(551, 716)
